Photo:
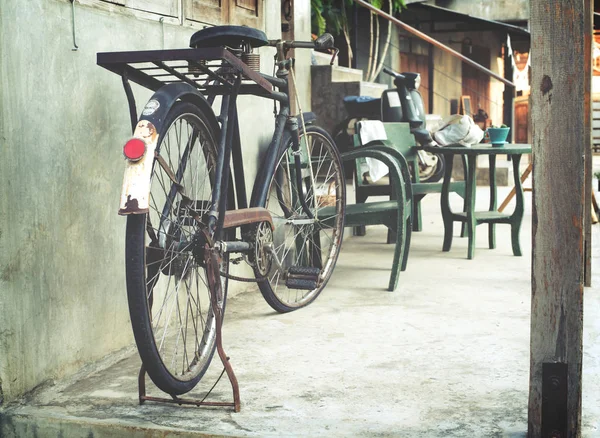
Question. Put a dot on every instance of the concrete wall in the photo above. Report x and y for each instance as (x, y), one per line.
(63, 121)
(501, 10)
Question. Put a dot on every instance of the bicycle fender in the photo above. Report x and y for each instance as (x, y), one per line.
(135, 192)
(309, 118)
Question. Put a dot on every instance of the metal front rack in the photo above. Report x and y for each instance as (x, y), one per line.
(209, 70)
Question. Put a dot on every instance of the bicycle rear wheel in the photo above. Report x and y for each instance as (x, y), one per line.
(299, 241)
(167, 286)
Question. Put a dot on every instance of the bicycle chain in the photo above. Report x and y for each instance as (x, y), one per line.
(243, 279)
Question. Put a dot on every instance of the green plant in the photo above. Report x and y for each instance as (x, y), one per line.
(501, 126)
(332, 16)
(376, 59)
(597, 175)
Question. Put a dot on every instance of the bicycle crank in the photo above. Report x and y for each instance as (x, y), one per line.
(296, 277)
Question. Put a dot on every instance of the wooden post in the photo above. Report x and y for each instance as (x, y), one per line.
(560, 102)
(509, 97)
(587, 260)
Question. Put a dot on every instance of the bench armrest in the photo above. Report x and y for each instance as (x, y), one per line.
(397, 178)
(387, 147)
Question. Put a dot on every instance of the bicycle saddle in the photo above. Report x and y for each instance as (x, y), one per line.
(232, 36)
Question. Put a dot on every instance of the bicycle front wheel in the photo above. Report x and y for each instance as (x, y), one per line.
(299, 240)
(167, 286)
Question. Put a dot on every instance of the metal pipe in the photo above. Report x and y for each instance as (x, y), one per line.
(225, 171)
(433, 41)
(75, 46)
(130, 100)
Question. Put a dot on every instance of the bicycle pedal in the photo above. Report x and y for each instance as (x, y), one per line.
(300, 283)
(304, 271)
(302, 277)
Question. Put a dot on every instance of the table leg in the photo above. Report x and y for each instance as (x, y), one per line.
(493, 202)
(517, 216)
(471, 162)
(463, 225)
(445, 203)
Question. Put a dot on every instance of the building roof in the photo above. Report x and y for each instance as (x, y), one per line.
(447, 20)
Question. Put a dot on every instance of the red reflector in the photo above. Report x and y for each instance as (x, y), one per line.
(134, 149)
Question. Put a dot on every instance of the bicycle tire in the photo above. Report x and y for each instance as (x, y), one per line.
(275, 292)
(156, 257)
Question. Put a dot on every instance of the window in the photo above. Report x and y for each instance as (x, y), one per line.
(242, 12)
(193, 12)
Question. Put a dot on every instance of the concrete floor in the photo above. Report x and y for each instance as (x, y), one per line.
(446, 355)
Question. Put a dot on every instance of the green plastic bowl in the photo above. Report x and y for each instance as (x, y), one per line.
(498, 136)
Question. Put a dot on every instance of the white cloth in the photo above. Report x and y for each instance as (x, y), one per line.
(458, 129)
(370, 130)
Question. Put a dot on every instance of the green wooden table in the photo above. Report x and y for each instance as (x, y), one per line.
(492, 216)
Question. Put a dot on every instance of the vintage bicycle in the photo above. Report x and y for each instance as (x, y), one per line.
(184, 195)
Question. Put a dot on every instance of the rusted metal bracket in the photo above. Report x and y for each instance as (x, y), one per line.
(184, 401)
(554, 400)
(168, 171)
(212, 268)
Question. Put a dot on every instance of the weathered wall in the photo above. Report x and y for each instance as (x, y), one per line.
(447, 84)
(63, 121)
(448, 73)
(502, 10)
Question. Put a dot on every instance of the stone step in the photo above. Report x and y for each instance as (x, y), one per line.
(335, 73)
(319, 58)
(328, 97)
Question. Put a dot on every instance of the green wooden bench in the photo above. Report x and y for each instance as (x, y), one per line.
(404, 142)
(396, 214)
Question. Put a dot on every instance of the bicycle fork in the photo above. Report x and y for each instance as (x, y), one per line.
(292, 124)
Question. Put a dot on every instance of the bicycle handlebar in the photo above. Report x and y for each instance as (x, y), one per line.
(302, 44)
(391, 72)
(325, 41)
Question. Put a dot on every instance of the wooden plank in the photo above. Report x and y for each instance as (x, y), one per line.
(251, 5)
(238, 12)
(247, 13)
(206, 11)
(560, 98)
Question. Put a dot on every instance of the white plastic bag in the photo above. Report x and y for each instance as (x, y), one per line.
(370, 130)
(458, 129)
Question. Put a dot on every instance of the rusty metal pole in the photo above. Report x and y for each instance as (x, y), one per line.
(560, 106)
(433, 42)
